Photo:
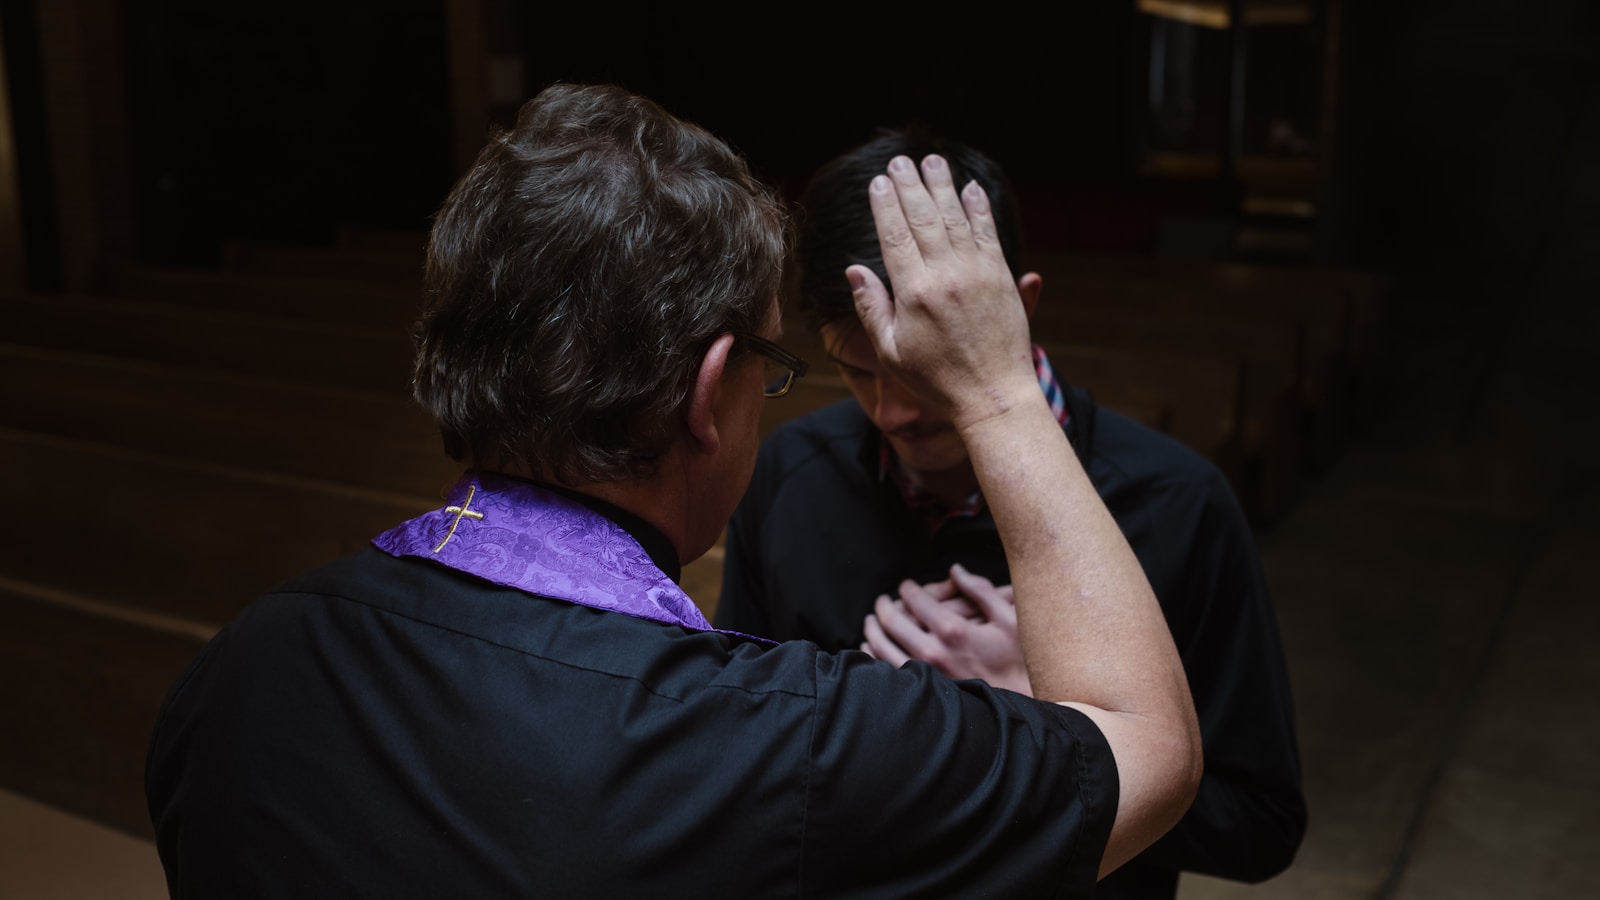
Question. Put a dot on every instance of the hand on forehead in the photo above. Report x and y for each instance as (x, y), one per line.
(922, 221)
(955, 327)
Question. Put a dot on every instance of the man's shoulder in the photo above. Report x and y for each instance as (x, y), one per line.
(364, 571)
(834, 432)
(843, 420)
(1128, 456)
(416, 589)
(1170, 501)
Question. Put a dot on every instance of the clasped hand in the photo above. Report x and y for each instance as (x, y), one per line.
(963, 626)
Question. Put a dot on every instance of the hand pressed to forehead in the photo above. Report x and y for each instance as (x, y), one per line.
(955, 331)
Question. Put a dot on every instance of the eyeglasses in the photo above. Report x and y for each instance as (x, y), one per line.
(783, 367)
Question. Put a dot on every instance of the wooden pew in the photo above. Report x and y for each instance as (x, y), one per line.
(363, 438)
(370, 357)
(186, 539)
(190, 540)
(276, 425)
(1193, 399)
(1267, 356)
(377, 264)
(278, 296)
(80, 690)
(156, 501)
(1332, 310)
(397, 242)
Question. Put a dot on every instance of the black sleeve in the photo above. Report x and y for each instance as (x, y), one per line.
(957, 788)
(1249, 816)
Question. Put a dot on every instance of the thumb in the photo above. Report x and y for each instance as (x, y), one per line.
(873, 306)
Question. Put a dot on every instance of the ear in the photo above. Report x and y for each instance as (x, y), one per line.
(700, 414)
(1029, 286)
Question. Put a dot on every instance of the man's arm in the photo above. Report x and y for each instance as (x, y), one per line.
(1249, 815)
(1092, 634)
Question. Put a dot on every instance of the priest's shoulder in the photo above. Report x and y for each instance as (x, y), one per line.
(367, 575)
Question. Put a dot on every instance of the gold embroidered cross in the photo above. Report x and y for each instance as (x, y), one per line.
(462, 510)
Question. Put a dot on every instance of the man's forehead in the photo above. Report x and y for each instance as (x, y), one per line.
(847, 342)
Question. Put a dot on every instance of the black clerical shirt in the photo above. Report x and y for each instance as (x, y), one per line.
(386, 727)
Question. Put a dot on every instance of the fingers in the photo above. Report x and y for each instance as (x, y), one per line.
(994, 603)
(920, 217)
(936, 177)
(929, 610)
(949, 599)
(873, 307)
(954, 332)
(899, 630)
(980, 219)
(901, 255)
(961, 606)
(924, 220)
(941, 590)
(906, 634)
(880, 645)
(964, 580)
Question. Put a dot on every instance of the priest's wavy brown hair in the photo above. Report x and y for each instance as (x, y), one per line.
(577, 275)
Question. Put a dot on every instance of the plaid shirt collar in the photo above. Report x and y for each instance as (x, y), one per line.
(934, 513)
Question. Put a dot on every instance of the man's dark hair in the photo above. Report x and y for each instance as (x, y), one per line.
(576, 277)
(836, 228)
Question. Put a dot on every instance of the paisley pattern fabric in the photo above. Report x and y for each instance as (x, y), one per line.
(518, 535)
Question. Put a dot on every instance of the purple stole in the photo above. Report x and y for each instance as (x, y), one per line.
(515, 534)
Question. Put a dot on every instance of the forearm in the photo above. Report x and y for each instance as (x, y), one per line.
(1090, 626)
(1092, 633)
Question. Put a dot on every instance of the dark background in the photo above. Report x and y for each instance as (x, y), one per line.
(289, 121)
